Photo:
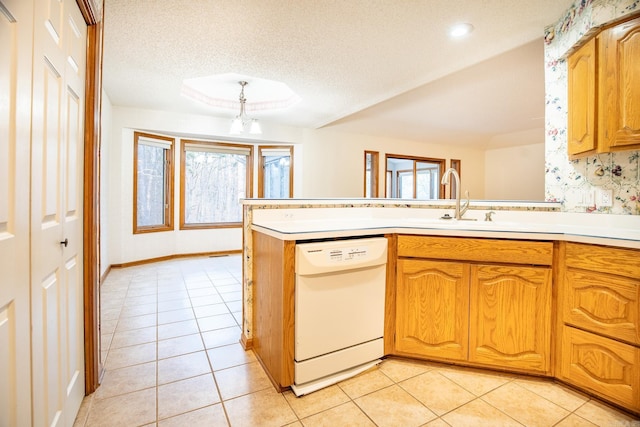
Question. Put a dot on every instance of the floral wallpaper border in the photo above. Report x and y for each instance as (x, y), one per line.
(569, 181)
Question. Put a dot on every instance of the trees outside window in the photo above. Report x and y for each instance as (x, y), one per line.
(153, 183)
(275, 172)
(215, 177)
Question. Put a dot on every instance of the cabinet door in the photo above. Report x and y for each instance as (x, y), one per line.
(602, 365)
(432, 306)
(619, 91)
(582, 100)
(602, 303)
(510, 320)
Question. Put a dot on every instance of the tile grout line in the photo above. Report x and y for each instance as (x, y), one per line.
(157, 355)
(479, 397)
(204, 346)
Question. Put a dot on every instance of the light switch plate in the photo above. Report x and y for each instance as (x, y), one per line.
(587, 198)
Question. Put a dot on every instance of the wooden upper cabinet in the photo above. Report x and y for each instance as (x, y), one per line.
(603, 92)
(582, 68)
(432, 313)
(619, 87)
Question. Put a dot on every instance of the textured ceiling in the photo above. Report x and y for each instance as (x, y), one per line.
(369, 66)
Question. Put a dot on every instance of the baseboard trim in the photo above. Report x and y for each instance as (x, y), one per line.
(174, 256)
(247, 343)
(105, 274)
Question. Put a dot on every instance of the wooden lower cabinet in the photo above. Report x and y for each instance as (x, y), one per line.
(465, 310)
(432, 308)
(599, 321)
(510, 318)
(273, 284)
(609, 368)
(603, 303)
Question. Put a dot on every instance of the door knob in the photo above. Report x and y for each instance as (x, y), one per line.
(65, 242)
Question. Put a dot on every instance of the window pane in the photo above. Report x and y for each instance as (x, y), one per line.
(367, 188)
(423, 190)
(405, 185)
(427, 177)
(214, 185)
(151, 185)
(276, 176)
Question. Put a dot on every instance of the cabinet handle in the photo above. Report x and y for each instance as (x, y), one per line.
(65, 242)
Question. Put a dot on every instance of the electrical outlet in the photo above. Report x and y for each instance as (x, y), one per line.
(604, 197)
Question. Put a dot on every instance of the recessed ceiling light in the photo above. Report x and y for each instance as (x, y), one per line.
(460, 30)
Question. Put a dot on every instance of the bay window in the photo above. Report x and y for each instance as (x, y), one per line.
(152, 183)
(214, 179)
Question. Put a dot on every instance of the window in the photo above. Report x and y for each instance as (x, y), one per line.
(371, 174)
(275, 172)
(414, 177)
(152, 183)
(214, 178)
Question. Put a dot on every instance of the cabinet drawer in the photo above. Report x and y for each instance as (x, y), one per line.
(603, 303)
(602, 365)
(482, 250)
(603, 259)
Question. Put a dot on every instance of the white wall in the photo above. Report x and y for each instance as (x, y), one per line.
(327, 164)
(104, 200)
(334, 162)
(516, 172)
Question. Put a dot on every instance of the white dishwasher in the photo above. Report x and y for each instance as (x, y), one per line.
(339, 310)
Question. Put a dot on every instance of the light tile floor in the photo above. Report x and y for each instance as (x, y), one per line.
(171, 355)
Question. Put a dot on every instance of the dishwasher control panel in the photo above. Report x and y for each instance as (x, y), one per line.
(338, 255)
(348, 254)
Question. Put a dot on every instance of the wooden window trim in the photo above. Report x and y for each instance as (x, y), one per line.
(375, 171)
(249, 183)
(442, 164)
(261, 167)
(169, 171)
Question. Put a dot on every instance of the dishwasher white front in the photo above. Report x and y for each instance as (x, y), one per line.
(339, 310)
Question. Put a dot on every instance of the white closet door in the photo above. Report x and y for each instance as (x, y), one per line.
(16, 36)
(59, 55)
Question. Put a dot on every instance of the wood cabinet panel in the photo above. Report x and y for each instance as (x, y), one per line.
(603, 303)
(619, 127)
(603, 259)
(510, 319)
(432, 308)
(603, 92)
(601, 365)
(482, 250)
(273, 306)
(582, 66)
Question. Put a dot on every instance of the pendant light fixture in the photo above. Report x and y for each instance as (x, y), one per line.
(242, 120)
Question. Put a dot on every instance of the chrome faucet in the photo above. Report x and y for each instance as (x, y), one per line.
(445, 181)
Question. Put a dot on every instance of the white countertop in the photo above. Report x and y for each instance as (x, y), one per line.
(614, 230)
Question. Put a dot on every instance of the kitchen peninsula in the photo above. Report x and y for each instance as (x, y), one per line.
(534, 290)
